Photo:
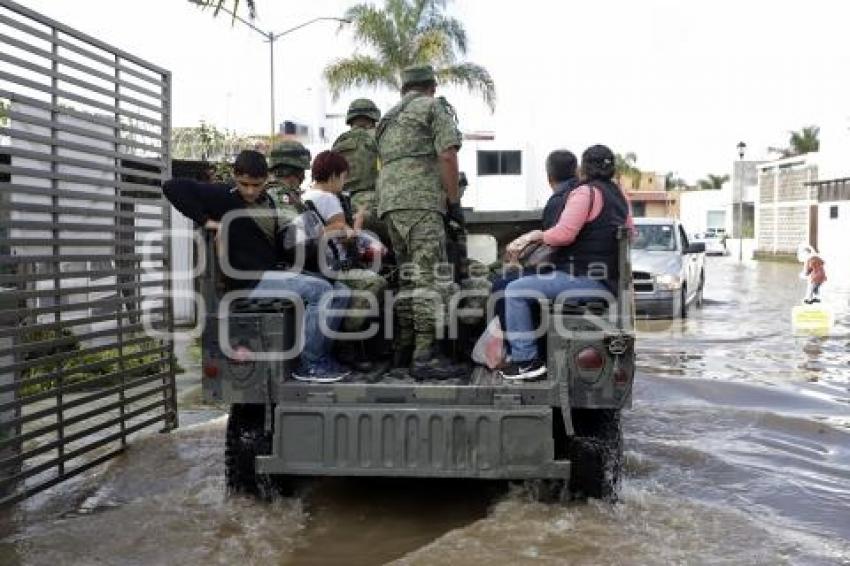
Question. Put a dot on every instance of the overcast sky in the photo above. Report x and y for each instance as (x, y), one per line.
(677, 82)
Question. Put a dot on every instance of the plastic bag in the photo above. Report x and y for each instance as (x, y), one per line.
(489, 350)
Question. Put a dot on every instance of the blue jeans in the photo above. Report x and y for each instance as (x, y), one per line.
(521, 298)
(311, 289)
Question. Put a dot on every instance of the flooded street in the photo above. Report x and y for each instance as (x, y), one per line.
(738, 452)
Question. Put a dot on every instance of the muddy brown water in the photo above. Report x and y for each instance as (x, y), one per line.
(738, 452)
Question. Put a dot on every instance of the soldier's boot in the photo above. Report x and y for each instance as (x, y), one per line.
(402, 357)
(433, 365)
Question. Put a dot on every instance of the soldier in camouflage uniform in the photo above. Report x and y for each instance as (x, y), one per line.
(417, 188)
(358, 147)
(287, 162)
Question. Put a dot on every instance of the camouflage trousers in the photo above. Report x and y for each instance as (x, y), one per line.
(365, 281)
(366, 199)
(419, 242)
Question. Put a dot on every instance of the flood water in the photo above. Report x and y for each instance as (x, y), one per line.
(738, 452)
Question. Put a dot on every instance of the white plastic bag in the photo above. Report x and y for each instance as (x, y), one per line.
(490, 348)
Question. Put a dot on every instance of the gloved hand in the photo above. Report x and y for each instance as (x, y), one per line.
(455, 212)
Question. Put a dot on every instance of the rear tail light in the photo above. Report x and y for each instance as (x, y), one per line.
(241, 355)
(590, 358)
(621, 377)
(210, 370)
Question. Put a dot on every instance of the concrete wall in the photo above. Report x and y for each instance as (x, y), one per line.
(833, 235)
(526, 191)
(783, 210)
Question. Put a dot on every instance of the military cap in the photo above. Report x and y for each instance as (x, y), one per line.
(417, 74)
(289, 153)
(362, 107)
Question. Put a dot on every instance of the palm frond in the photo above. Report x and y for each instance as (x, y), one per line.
(433, 47)
(358, 71)
(474, 77)
(374, 28)
(218, 5)
(450, 27)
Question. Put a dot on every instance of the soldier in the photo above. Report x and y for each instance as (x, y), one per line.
(358, 147)
(417, 187)
(287, 162)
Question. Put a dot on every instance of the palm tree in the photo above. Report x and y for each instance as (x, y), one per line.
(405, 33)
(712, 182)
(233, 9)
(805, 141)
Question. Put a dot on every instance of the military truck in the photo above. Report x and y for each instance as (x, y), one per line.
(562, 435)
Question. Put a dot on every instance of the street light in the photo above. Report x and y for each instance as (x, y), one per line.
(741, 148)
(271, 37)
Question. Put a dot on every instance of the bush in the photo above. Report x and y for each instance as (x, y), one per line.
(108, 360)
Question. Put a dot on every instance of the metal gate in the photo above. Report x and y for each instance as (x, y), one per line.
(86, 358)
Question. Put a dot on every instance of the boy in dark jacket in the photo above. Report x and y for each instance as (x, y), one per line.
(254, 254)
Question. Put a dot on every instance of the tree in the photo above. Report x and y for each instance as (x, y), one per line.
(712, 182)
(804, 141)
(218, 5)
(405, 33)
(4, 113)
(625, 166)
(672, 182)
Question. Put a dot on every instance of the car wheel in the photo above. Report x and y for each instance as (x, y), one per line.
(684, 308)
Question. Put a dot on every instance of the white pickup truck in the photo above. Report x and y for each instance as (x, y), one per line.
(668, 270)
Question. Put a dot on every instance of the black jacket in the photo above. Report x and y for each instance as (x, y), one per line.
(555, 205)
(248, 248)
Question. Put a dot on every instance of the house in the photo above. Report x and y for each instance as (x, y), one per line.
(648, 195)
(704, 211)
(833, 226)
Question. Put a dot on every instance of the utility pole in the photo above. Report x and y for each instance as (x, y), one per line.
(741, 149)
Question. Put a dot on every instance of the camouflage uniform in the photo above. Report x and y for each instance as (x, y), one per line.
(292, 155)
(412, 201)
(358, 147)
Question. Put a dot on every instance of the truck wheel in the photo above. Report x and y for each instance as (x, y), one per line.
(547, 490)
(596, 453)
(245, 439)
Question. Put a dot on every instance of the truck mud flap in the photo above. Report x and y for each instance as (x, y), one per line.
(404, 441)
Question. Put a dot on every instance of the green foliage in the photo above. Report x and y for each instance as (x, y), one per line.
(806, 140)
(107, 360)
(4, 113)
(672, 182)
(625, 167)
(233, 10)
(712, 182)
(405, 33)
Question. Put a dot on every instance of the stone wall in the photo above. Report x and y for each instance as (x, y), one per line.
(784, 209)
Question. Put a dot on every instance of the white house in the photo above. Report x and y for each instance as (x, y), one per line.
(700, 211)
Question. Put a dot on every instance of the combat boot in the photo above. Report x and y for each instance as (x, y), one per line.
(432, 365)
(402, 357)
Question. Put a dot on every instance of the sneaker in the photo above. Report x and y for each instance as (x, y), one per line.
(815, 300)
(523, 371)
(435, 366)
(328, 371)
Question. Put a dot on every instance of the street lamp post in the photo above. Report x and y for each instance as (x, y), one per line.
(272, 37)
(741, 148)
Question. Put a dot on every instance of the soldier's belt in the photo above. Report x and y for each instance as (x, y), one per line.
(387, 160)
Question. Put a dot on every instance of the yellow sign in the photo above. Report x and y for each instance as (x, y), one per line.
(812, 320)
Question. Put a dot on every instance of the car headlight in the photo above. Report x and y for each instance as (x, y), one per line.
(668, 282)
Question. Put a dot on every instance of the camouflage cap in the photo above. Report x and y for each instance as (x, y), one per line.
(362, 107)
(289, 153)
(417, 74)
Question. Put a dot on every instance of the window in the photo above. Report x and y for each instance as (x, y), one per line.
(499, 163)
(833, 212)
(684, 239)
(638, 209)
